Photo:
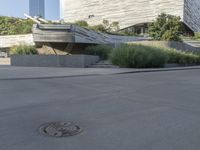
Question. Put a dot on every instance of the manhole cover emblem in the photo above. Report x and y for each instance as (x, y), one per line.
(60, 129)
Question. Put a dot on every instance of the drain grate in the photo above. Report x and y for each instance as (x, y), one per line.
(60, 129)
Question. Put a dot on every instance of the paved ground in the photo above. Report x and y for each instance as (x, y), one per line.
(13, 73)
(143, 111)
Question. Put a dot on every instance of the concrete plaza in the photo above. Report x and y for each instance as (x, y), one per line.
(128, 111)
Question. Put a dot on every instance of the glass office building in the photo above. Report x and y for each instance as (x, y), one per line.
(37, 8)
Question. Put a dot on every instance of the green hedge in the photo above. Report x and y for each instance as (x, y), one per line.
(181, 57)
(140, 56)
(24, 50)
(102, 51)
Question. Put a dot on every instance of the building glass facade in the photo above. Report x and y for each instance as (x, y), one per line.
(37, 8)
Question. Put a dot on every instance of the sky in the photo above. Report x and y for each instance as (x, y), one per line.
(17, 8)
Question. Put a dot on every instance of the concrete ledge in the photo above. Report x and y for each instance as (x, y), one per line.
(4, 61)
(13, 40)
(75, 61)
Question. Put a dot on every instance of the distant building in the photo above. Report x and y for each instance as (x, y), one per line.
(37, 8)
(132, 14)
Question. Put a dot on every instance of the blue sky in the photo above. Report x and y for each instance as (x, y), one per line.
(17, 8)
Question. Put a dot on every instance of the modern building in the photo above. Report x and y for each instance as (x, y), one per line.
(134, 14)
(37, 8)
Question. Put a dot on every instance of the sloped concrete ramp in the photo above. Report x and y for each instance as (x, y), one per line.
(43, 33)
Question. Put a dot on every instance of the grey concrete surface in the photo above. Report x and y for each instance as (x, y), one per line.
(12, 73)
(143, 111)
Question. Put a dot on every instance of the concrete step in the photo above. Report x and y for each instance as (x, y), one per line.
(103, 64)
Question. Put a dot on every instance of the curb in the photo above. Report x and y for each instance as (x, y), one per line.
(161, 70)
(100, 74)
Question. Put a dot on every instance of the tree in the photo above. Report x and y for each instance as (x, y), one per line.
(166, 27)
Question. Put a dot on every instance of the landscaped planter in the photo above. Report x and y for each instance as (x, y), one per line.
(76, 61)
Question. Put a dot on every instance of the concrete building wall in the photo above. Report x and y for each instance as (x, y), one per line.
(75, 61)
(126, 12)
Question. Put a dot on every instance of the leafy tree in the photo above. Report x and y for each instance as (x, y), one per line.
(166, 27)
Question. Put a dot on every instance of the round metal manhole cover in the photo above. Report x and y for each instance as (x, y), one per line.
(60, 129)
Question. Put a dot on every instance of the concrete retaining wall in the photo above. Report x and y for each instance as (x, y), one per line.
(12, 40)
(75, 61)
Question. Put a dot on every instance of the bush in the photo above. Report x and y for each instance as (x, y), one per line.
(138, 56)
(105, 26)
(181, 57)
(12, 26)
(196, 36)
(24, 50)
(81, 23)
(98, 28)
(102, 51)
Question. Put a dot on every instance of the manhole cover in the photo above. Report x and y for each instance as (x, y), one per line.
(60, 129)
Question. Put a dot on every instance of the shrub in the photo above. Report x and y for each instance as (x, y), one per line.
(138, 56)
(102, 51)
(105, 26)
(12, 26)
(196, 36)
(181, 57)
(81, 23)
(98, 28)
(24, 50)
